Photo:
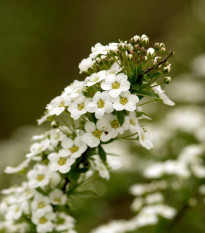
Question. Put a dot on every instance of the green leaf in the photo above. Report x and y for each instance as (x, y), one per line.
(147, 93)
(102, 153)
(120, 117)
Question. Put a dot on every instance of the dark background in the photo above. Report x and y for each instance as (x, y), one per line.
(42, 43)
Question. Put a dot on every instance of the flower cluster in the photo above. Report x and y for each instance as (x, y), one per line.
(88, 114)
(148, 205)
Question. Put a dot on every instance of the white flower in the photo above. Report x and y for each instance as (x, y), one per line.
(55, 135)
(39, 176)
(14, 212)
(78, 106)
(60, 161)
(115, 84)
(100, 49)
(74, 90)
(64, 222)
(99, 166)
(115, 69)
(100, 104)
(132, 121)
(40, 204)
(44, 222)
(58, 105)
(125, 101)
(144, 138)
(96, 133)
(85, 64)
(162, 95)
(154, 198)
(19, 168)
(38, 147)
(95, 78)
(57, 197)
(115, 125)
(75, 148)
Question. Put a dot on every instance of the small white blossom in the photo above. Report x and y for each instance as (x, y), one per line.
(38, 147)
(162, 95)
(125, 101)
(85, 64)
(41, 204)
(44, 222)
(115, 84)
(64, 222)
(95, 78)
(39, 176)
(75, 148)
(115, 125)
(58, 105)
(57, 197)
(96, 133)
(78, 106)
(60, 161)
(101, 104)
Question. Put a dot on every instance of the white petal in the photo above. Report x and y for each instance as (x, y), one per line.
(99, 113)
(114, 93)
(91, 107)
(90, 127)
(106, 86)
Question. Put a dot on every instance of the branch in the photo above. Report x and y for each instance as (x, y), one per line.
(160, 63)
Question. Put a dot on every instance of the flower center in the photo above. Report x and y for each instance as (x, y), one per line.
(57, 199)
(17, 209)
(62, 104)
(101, 103)
(41, 205)
(97, 133)
(115, 124)
(95, 79)
(62, 161)
(74, 149)
(132, 122)
(42, 220)
(80, 106)
(123, 100)
(40, 177)
(115, 85)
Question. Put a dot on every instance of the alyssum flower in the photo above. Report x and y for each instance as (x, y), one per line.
(85, 116)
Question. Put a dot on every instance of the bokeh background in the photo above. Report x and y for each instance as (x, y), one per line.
(41, 45)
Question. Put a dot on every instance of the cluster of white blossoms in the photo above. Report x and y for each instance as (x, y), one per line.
(148, 206)
(88, 114)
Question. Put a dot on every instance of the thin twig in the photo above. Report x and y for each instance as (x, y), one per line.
(160, 63)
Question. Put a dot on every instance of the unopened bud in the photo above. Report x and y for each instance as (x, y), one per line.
(144, 39)
(150, 52)
(167, 69)
(167, 80)
(130, 57)
(136, 38)
(156, 45)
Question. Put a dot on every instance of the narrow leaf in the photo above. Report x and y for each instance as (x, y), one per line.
(120, 117)
(102, 153)
(147, 93)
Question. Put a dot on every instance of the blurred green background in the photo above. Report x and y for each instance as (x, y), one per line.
(42, 43)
